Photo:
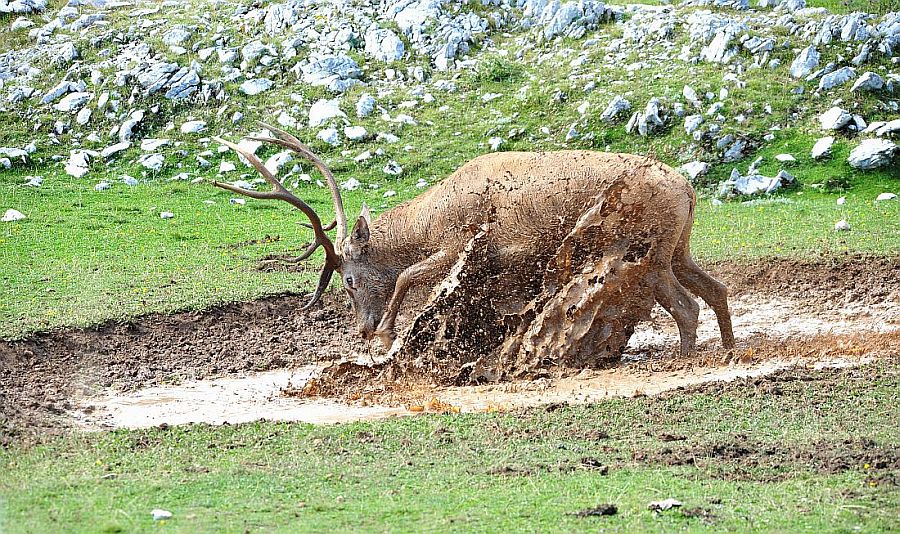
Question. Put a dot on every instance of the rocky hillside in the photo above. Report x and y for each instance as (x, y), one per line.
(743, 96)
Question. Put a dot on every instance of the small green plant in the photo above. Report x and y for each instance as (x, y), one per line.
(498, 70)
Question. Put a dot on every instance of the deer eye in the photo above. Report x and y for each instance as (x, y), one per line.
(349, 282)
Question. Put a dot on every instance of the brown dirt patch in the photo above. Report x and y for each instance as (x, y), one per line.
(831, 281)
(745, 458)
(38, 375)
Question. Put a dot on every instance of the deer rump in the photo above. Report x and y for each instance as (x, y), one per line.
(594, 283)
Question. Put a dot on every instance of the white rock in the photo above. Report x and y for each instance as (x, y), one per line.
(323, 111)
(193, 127)
(692, 122)
(616, 106)
(355, 133)
(495, 142)
(841, 201)
(226, 166)
(365, 105)
(695, 169)
(393, 168)
(872, 154)
(822, 147)
(256, 86)
(351, 184)
(835, 119)
(78, 163)
(12, 215)
(836, 78)
(129, 181)
(869, 81)
(383, 45)
(164, 215)
(102, 186)
(885, 196)
(842, 226)
(73, 101)
(389, 193)
(112, 150)
(153, 162)
(84, 116)
(237, 201)
(34, 181)
(784, 158)
(277, 162)
(330, 136)
(805, 62)
(151, 145)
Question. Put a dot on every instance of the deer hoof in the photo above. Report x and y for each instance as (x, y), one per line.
(386, 337)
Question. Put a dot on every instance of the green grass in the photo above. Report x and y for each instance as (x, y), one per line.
(486, 472)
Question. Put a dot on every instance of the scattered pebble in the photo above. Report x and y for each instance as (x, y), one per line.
(159, 514)
(842, 226)
(166, 215)
(12, 215)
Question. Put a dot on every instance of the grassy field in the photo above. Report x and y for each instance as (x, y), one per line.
(793, 455)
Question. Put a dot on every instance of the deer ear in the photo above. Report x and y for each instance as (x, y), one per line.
(364, 213)
(360, 233)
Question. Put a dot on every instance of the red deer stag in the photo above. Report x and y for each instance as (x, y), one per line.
(531, 201)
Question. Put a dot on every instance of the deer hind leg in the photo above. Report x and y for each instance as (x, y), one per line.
(713, 292)
(672, 296)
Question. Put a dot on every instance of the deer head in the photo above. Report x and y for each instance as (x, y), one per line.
(368, 285)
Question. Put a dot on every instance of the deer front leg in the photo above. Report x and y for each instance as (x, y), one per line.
(430, 267)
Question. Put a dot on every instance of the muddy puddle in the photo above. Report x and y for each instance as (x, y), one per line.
(773, 334)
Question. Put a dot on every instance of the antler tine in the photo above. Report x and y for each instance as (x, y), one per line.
(281, 193)
(286, 140)
(328, 227)
(324, 278)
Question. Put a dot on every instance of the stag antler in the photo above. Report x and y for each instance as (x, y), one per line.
(279, 192)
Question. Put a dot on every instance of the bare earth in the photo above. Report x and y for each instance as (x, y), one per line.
(248, 361)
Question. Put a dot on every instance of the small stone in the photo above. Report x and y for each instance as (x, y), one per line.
(365, 105)
(355, 133)
(692, 122)
(885, 196)
(226, 166)
(785, 158)
(164, 215)
(78, 163)
(836, 78)
(153, 162)
(193, 127)
(842, 226)
(841, 201)
(617, 106)
(12, 215)
(330, 136)
(351, 184)
(129, 181)
(835, 119)
(805, 62)
(256, 86)
(102, 186)
(872, 154)
(112, 150)
(822, 147)
(494, 143)
(868, 82)
(237, 201)
(323, 111)
(695, 169)
(393, 168)
(73, 101)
